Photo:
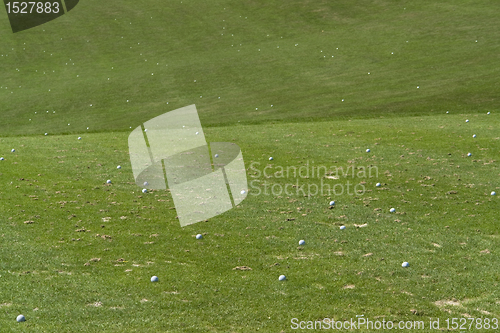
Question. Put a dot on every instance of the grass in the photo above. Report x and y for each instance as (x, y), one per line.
(445, 218)
(77, 253)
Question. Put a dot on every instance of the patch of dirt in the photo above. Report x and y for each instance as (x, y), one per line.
(242, 268)
(443, 303)
(96, 304)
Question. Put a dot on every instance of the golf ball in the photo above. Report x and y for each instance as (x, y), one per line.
(119, 167)
(469, 154)
(13, 150)
(488, 112)
(79, 138)
(46, 133)
(332, 203)
(392, 210)
(270, 158)
(154, 279)
(216, 155)
(302, 242)
(197, 133)
(282, 278)
(1, 158)
(144, 190)
(493, 193)
(20, 318)
(474, 136)
(467, 120)
(199, 236)
(378, 184)
(405, 264)
(108, 181)
(368, 150)
(243, 192)
(447, 111)
(342, 227)
(146, 183)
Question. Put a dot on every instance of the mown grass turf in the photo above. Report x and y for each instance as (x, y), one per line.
(326, 111)
(445, 217)
(433, 44)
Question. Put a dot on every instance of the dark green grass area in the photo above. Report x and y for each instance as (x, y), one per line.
(217, 44)
(445, 225)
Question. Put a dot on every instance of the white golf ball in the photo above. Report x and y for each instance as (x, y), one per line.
(469, 154)
(146, 130)
(302, 242)
(197, 133)
(79, 138)
(342, 227)
(282, 278)
(20, 318)
(447, 111)
(46, 133)
(13, 150)
(216, 155)
(488, 112)
(467, 120)
(405, 264)
(332, 203)
(243, 192)
(199, 236)
(270, 158)
(392, 210)
(119, 167)
(474, 136)
(1, 158)
(144, 190)
(108, 181)
(146, 183)
(154, 279)
(378, 184)
(368, 150)
(493, 193)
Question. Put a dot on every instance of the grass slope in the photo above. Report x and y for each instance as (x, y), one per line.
(217, 44)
